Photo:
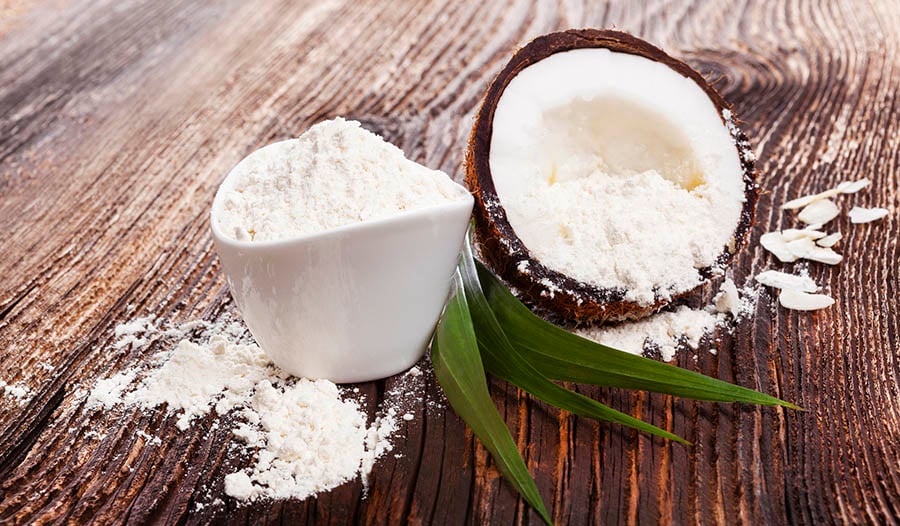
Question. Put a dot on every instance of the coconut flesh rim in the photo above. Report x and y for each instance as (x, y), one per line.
(590, 128)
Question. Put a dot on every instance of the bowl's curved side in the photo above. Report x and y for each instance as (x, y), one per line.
(351, 304)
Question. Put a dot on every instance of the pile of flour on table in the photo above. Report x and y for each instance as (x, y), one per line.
(309, 435)
(684, 326)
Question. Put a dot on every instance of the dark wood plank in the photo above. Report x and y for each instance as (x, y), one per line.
(119, 119)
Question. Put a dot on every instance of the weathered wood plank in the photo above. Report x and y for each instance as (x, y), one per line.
(118, 120)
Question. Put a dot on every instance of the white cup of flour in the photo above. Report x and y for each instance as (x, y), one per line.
(349, 303)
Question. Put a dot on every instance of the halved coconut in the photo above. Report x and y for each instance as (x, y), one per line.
(609, 177)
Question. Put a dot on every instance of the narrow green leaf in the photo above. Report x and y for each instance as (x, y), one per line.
(564, 356)
(458, 368)
(502, 360)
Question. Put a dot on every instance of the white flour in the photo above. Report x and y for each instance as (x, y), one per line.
(310, 440)
(17, 391)
(335, 174)
(665, 331)
(640, 232)
(308, 436)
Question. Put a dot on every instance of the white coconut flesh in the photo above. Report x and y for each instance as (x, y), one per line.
(617, 171)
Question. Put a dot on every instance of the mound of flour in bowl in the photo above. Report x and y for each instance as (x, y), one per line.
(334, 174)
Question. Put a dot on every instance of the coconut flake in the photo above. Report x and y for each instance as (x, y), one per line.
(799, 248)
(866, 215)
(775, 243)
(728, 300)
(819, 212)
(793, 244)
(783, 280)
(830, 240)
(806, 248)
(798, 233)
(846, 187)
(823, 255)
(815, 234)
(806, 200)
(799, 300)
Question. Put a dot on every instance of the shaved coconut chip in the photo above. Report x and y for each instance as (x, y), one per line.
(800, 202)
(728, 299)
(800, 247)
(846, 187)
(819, 212)
(775, 243)
(815, 234)
(814, 226)
(824, 255)
(821, 255)
(794, 233)
(807, 249)
(783, 280)
(790, 250)
(865, 215)
(799, 300)
(830, 240)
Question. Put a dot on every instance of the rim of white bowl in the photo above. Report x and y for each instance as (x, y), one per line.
(466, 199)
(465, 202)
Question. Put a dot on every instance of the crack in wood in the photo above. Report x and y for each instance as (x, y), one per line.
(8, 308)
(12, 454)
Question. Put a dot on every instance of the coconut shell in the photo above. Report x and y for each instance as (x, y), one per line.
(563, 297)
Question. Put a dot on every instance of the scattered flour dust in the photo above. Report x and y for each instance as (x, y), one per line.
(17, 391)
(308, 435)
(335, 174)
(665, 331)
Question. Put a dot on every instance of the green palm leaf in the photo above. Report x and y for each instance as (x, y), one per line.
(502, 360)
(564, 356)
(458, 368)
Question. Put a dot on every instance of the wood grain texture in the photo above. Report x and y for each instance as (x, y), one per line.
(119, 119)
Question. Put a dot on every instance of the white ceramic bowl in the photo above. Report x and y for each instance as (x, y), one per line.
(351, 304)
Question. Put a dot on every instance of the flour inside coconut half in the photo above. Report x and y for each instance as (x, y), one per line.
(617, 171)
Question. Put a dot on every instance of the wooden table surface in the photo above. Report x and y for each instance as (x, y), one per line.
(119, 119)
